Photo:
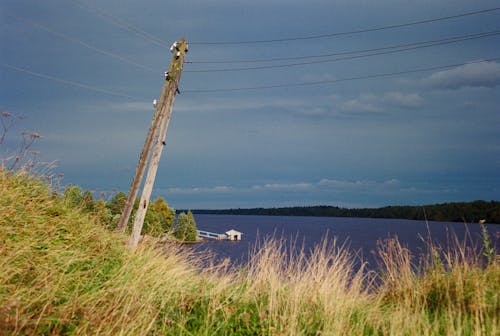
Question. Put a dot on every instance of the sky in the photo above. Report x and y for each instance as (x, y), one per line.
(349, 103)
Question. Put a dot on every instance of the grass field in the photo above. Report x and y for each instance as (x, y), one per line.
(63, 273)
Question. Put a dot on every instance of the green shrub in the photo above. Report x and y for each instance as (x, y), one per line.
(73, 196)
(185, 228)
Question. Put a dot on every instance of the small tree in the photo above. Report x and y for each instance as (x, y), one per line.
(192, 222)
(103, 214)
(73, 196)
(117, 203)
(152, 225)
(88, 201)
(186, 227)
(159, 218)
(166, 215)
(181, 226)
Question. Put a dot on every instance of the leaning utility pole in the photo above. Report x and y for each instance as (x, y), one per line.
(141, 165)
(150, 179)
(156, 136)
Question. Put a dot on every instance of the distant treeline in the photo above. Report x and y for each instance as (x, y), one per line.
(468, 212)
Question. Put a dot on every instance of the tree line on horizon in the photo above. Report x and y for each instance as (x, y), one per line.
(468, 212)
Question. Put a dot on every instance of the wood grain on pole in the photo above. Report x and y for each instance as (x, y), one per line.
(174, 74)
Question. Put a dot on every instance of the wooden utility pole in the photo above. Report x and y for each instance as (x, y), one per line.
(141, 165)
(164, 107)
(172, 82)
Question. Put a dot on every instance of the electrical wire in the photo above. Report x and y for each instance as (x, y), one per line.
(360, 51)
(278, 66)
(352, 32)
(383, 50)
(82, 43)
(122, 24)
(334, 81)
(69, 82)
(346, 79)
(158, 41)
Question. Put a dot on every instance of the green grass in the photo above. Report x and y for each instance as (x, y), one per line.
(61, 272)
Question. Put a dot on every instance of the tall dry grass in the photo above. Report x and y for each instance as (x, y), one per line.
(62, 273)
(302, 292)
(452, 291)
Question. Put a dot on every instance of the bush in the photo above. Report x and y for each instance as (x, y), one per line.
(103, 215)
(159, 218)
(117, 203)
(88, 201)
(186, 227)
(166, 215)
(73, 196)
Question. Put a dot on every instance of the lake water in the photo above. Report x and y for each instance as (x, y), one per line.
(361, 234)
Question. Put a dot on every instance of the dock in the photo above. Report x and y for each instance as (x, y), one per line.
(229, 235)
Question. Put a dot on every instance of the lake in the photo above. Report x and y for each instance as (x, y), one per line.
(361, 234)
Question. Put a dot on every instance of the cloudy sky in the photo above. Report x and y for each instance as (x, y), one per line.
(340, 102)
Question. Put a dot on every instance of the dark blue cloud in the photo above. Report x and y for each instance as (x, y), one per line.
(337, 143)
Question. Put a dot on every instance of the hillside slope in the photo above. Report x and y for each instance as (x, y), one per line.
(63, 273)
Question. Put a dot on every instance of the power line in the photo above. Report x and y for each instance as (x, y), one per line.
(69, 82)
(420, 46)
(352, 32)
(122, 24)
(82, 43)
(411, 46)
(158, 41)
(360, 51)
(346, 79)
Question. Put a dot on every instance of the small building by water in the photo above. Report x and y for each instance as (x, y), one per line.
(229, 235)
(233, 235)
